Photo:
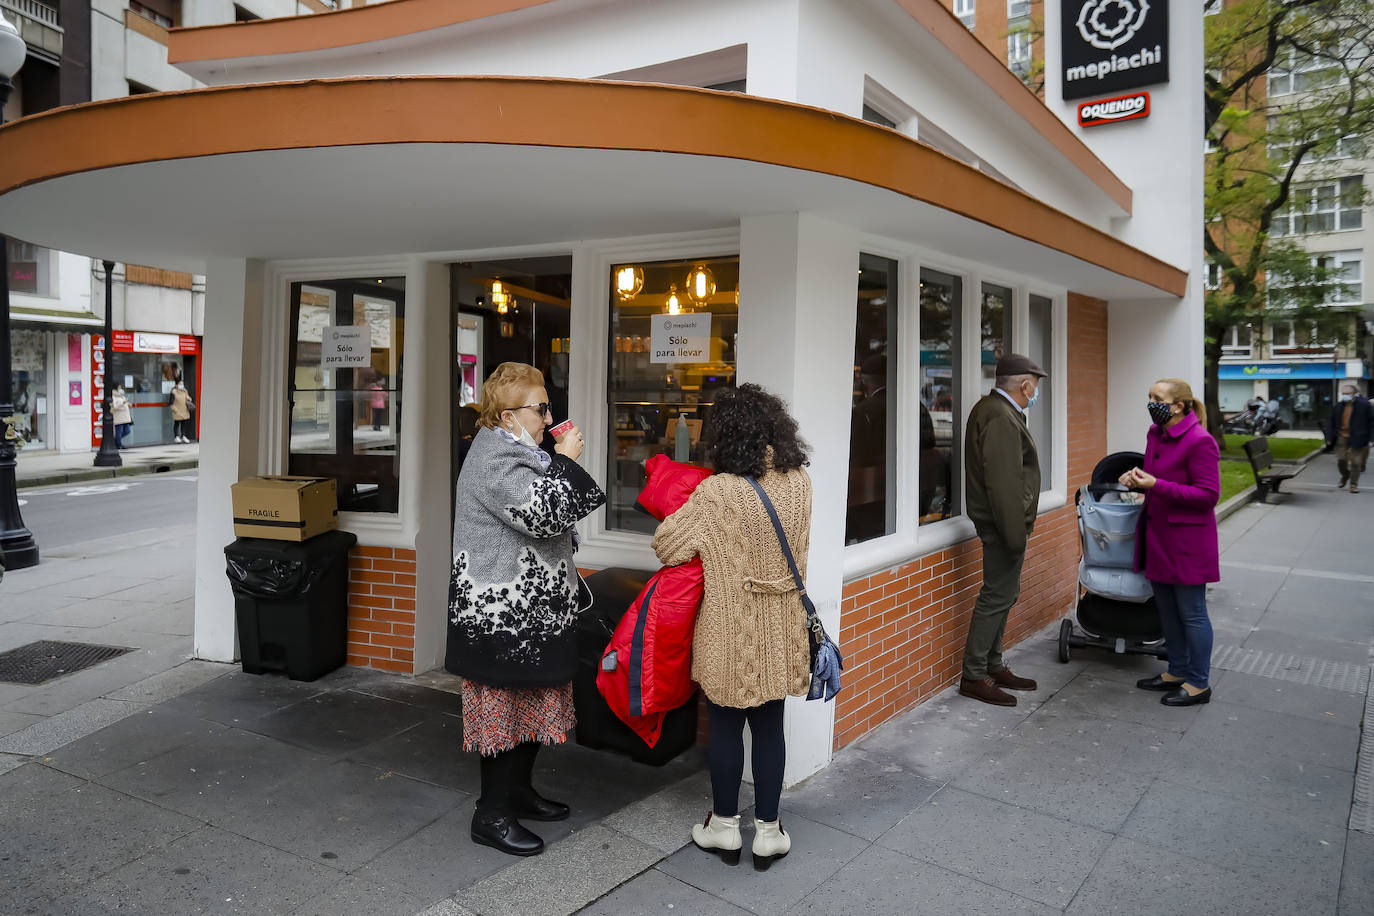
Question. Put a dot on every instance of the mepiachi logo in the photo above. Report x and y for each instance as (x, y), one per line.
(1109, 24)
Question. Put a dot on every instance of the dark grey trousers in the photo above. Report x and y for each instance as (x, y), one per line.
(1001, 588)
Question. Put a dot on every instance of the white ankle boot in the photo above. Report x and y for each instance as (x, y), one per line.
(720, 835)
(770, 840)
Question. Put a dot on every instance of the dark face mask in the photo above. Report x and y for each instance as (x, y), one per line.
(1159, 412)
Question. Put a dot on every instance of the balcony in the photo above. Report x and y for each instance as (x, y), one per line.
(38, 26)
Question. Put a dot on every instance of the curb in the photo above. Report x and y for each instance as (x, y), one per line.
(1244, 497)
(137, 470)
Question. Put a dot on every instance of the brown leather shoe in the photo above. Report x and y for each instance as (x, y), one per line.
(985, 690)
(1009, 681)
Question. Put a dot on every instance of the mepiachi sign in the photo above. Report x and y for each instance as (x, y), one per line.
(681, 338)
(1111, 45)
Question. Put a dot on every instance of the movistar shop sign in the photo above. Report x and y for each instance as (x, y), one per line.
(1110, 45)
(1300, 371)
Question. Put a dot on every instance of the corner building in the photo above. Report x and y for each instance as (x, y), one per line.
(553, 181)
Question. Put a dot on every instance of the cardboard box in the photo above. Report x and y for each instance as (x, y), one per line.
(285, 508)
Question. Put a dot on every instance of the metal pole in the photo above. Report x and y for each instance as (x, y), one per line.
(17, 547)
(108, 456)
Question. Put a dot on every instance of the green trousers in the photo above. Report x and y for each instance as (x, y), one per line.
(1001, 588)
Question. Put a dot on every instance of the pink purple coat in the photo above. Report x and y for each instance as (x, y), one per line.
(1176, 537)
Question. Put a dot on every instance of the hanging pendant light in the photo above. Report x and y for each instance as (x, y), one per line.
(701, 284)
(629, 280)
(499, 297)
(674, 306)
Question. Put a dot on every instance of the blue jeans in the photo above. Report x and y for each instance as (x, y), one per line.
(1187, 630)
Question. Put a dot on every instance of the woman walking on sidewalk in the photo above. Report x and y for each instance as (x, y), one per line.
(181, 404)
(1176, 537)
(750, 647)
(513, 600)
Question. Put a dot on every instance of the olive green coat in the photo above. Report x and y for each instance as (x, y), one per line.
(1001, 472)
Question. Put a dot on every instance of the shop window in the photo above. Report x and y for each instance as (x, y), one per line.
(995, 314)
(148, 379)
(347, 340)
(29, 268)
(872, 505)
(941, 429)
(671, 349)
(516, 310)
(1040, 418)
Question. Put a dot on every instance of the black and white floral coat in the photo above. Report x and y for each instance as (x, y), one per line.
(513, 588)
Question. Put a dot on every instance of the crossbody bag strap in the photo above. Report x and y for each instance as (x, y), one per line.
(786, 548)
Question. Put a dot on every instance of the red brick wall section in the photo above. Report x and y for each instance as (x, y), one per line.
(902, 630)
(381, 608)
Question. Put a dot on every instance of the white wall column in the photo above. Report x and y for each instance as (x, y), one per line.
(796, 338)
(231, 393)
(428, 400)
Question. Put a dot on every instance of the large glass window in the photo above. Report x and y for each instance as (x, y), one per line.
(1040, 348)
(942, 298)
(995, 316)
(672, 348)
(872, 505)
(345, 381)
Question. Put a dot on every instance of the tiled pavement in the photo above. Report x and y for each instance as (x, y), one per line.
(218, 792)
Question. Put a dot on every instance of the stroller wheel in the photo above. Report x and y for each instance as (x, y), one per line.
(1065, 631)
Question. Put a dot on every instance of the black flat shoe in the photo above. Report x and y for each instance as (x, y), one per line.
(532, 806)
(505, 833)
(1181, 697)
(1158, 683)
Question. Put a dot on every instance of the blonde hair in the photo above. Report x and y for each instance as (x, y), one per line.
(502, 389)
(1182, 393)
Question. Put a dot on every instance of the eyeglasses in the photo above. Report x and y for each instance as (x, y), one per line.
(544, 409)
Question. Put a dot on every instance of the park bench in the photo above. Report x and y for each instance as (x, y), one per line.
(1268, 475)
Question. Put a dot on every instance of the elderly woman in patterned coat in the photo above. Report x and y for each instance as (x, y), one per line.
(513, 600)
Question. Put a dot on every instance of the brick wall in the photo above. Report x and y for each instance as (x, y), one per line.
(381, 608)
(902, 630)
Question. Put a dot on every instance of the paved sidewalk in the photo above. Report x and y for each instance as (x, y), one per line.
(203, 790)
(41, 469)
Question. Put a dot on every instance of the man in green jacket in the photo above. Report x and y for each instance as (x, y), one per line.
(1002, 474)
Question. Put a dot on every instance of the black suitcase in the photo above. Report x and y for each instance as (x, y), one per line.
(614, 589)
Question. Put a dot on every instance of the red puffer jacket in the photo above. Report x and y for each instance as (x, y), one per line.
(646, 670)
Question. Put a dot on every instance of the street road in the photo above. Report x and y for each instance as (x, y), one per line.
(75, 512)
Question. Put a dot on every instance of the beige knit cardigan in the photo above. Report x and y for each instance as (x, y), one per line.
(750, 645)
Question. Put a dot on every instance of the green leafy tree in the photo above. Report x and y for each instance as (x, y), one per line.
(1289, 104)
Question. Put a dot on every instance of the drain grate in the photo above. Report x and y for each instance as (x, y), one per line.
(46, 659)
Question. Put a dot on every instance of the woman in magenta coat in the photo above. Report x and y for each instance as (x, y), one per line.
(1176, 538)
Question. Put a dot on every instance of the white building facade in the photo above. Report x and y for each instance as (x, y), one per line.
(630, 162)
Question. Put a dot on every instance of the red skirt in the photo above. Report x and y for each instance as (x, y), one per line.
(496, 719)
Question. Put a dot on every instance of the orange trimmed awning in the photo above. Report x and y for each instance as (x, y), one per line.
(412, 164)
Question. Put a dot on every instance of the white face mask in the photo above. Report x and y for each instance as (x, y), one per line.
(1347, 396)
(524, 437)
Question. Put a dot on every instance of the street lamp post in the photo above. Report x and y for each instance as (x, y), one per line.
(17, 547)
(108, 456)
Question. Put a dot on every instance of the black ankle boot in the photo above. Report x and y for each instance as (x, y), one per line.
(530, 805)
(504, 832)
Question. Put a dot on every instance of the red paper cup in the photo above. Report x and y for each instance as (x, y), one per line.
(561, 428)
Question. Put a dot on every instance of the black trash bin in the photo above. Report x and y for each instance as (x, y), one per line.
(291, 602)
(613, 591)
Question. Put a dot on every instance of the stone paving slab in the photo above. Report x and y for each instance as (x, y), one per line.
(55, 731)
(654, 892)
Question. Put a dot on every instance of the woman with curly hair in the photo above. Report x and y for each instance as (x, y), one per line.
(750, 647)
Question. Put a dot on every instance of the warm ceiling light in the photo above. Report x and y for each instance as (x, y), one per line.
(701, 284)
(629, 280)
(674, 307)
(499, 296)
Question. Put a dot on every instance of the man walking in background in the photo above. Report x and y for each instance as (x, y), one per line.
(1348, 433)
(1002, 469)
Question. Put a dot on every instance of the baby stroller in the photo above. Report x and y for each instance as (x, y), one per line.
(1116, 607)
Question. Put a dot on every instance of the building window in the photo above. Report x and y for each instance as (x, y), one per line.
(243, 15)
(1019, 51)
(347, 337)
(163, 16)
(965, 10)
(29, 268)
(1211, 7)
(1299, 338)
(1294, 71)
(1213, 278)
(872, 506)
(1345, 274)
(672, 349)
(1332, 148)
(942, 297)
(1236, 341)
(1018, 9)
(1328, 206)
(1040, 418)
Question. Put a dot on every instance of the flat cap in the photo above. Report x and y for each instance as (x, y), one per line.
(1016, 364)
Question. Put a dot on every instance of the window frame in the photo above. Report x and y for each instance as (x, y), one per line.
(1291, 215)
(1019, 40)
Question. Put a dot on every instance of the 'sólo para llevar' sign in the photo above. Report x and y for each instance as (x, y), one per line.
(1110, 45)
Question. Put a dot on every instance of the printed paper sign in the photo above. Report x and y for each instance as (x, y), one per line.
(345, 346)
(681, 338)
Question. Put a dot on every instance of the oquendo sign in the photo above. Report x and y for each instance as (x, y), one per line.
(1111, 45)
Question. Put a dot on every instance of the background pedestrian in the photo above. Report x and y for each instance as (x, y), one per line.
(119, 411)
(181, 406)
(1348, 433)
